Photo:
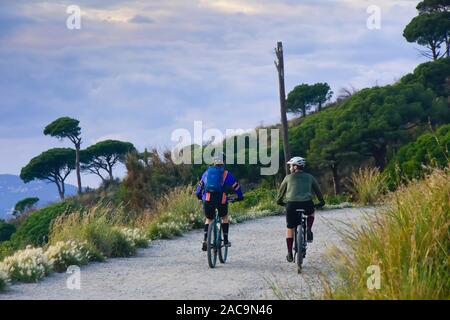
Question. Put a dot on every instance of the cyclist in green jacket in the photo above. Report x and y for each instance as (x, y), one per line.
(297, 188)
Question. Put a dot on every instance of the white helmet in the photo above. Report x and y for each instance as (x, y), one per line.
(299, 161)
(219, 159)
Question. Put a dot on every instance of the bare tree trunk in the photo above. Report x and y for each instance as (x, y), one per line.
(284, 123)
(336, 185)
(77, 165)
(435, 55)
(447, 45)
(111, 178)
(434, 50)
(60, 191)
(380, 157)
(103, 179)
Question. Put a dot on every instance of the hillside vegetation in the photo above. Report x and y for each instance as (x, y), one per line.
(409, 242)
(366, 128)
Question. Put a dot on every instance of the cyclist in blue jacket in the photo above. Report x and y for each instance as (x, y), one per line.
(211, 189)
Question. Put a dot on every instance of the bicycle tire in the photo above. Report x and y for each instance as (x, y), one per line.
(211, 244)
(223, 251)
(299, 236)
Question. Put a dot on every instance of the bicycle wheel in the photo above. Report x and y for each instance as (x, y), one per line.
(299, 238)
(223, 251)
(305, 243)
(211, 245)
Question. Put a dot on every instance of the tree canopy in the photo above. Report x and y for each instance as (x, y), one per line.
(328, 151)
(431, 28)
(66, 127)
(303, 97)
(24, 205)
(322, 93)
(434, 75)
(103, 156)
(433, 5)
(53, 165)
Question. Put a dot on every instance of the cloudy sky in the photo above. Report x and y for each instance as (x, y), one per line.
(137, 70)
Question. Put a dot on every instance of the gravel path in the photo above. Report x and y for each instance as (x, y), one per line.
(178, 269)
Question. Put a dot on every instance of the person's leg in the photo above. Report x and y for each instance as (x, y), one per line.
(205, 228)
(223, 213)
(209, 214)
(290, 224)
(309, 224)
(309, 220)
(226, 229)
(289, 239)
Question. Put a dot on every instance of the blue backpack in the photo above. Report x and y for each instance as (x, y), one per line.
(214, 180)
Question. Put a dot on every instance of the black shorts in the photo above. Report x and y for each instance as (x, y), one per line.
(210, 209)
(292, 216)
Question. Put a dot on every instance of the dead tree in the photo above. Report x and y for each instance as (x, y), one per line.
(284, 123)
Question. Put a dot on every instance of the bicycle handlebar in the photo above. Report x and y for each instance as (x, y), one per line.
(231, 198)
(316, 205)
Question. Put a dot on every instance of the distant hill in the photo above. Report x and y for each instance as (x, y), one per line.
(12, 189)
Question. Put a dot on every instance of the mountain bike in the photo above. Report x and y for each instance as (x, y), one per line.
(215, 242)
(300, 240)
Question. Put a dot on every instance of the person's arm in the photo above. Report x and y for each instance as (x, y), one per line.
(200, 185)
(230, 181)
(282, 193)
(318, 192)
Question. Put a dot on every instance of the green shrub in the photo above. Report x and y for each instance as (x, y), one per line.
(6, 231)
(35, 229)
(98, 227)
(150, 176)
(258, 202)
(259, 199)
(6, 249)
(3, 280)
(120, 246)
(135, 236)
(65, 254)
(337, 199)
(417, 158)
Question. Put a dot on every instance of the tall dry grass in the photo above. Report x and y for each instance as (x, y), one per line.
(368, 185)
(409, 241)
(99, 227)
(175, 213)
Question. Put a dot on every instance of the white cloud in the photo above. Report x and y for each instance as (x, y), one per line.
(198, 60)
